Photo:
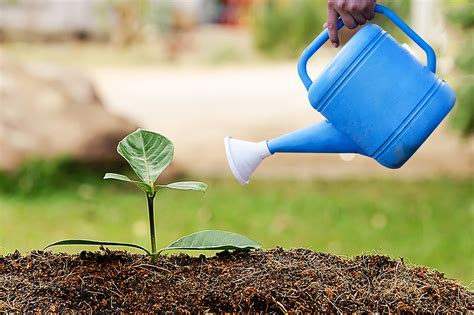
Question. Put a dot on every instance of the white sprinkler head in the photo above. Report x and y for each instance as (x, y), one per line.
(244, 157)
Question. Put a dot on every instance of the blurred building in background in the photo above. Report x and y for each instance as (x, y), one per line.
(98, 18)
(83, 19)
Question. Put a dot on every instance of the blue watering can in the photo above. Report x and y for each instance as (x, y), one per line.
(377, 98)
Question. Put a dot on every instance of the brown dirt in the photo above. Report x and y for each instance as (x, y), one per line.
(272, 281)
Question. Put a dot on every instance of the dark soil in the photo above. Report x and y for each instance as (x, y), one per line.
(271, 281)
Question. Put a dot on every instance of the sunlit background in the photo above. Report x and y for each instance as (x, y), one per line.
(76, 76)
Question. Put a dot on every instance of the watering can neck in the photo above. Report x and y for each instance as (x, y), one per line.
(317, 138)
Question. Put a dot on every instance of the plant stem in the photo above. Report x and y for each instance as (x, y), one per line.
(151, 218)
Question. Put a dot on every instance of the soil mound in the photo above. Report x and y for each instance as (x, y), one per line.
(271, 281)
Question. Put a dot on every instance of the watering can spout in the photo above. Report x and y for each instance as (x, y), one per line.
(317, 138)
(244, 156)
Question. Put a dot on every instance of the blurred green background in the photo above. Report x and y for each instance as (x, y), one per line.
(134, 50)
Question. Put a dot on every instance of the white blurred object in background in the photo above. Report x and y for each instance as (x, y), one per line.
(427, 20)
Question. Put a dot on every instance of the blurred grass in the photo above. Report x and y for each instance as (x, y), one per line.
(428, 222)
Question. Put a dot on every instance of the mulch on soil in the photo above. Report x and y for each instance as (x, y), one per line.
(272, 281)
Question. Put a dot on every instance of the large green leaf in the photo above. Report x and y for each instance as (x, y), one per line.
(213, 240)
(196, 186)
(100, 243)
(145, 187)
(148, 153)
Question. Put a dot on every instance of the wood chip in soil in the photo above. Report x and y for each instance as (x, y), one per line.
(277, 280)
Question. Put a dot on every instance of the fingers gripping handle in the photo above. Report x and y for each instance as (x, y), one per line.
(324, 36)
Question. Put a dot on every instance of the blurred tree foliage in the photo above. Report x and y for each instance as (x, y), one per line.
(286, 27)
(462, 15)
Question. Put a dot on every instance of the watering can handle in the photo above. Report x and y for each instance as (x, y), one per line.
(324, 36)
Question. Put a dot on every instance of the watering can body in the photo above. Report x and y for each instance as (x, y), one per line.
(378, 99)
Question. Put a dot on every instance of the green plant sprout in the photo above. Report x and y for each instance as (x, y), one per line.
(149, 154)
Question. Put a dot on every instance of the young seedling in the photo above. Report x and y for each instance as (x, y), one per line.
(149, 154)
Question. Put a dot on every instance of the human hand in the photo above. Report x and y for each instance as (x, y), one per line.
(352, 12)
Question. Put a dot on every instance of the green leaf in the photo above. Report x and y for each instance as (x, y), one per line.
(196, 186)
(148, 153)
(213, 240)
(91, 242)
(145, 187)
(119, 177)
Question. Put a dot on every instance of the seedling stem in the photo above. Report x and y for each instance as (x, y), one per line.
(151, 217)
